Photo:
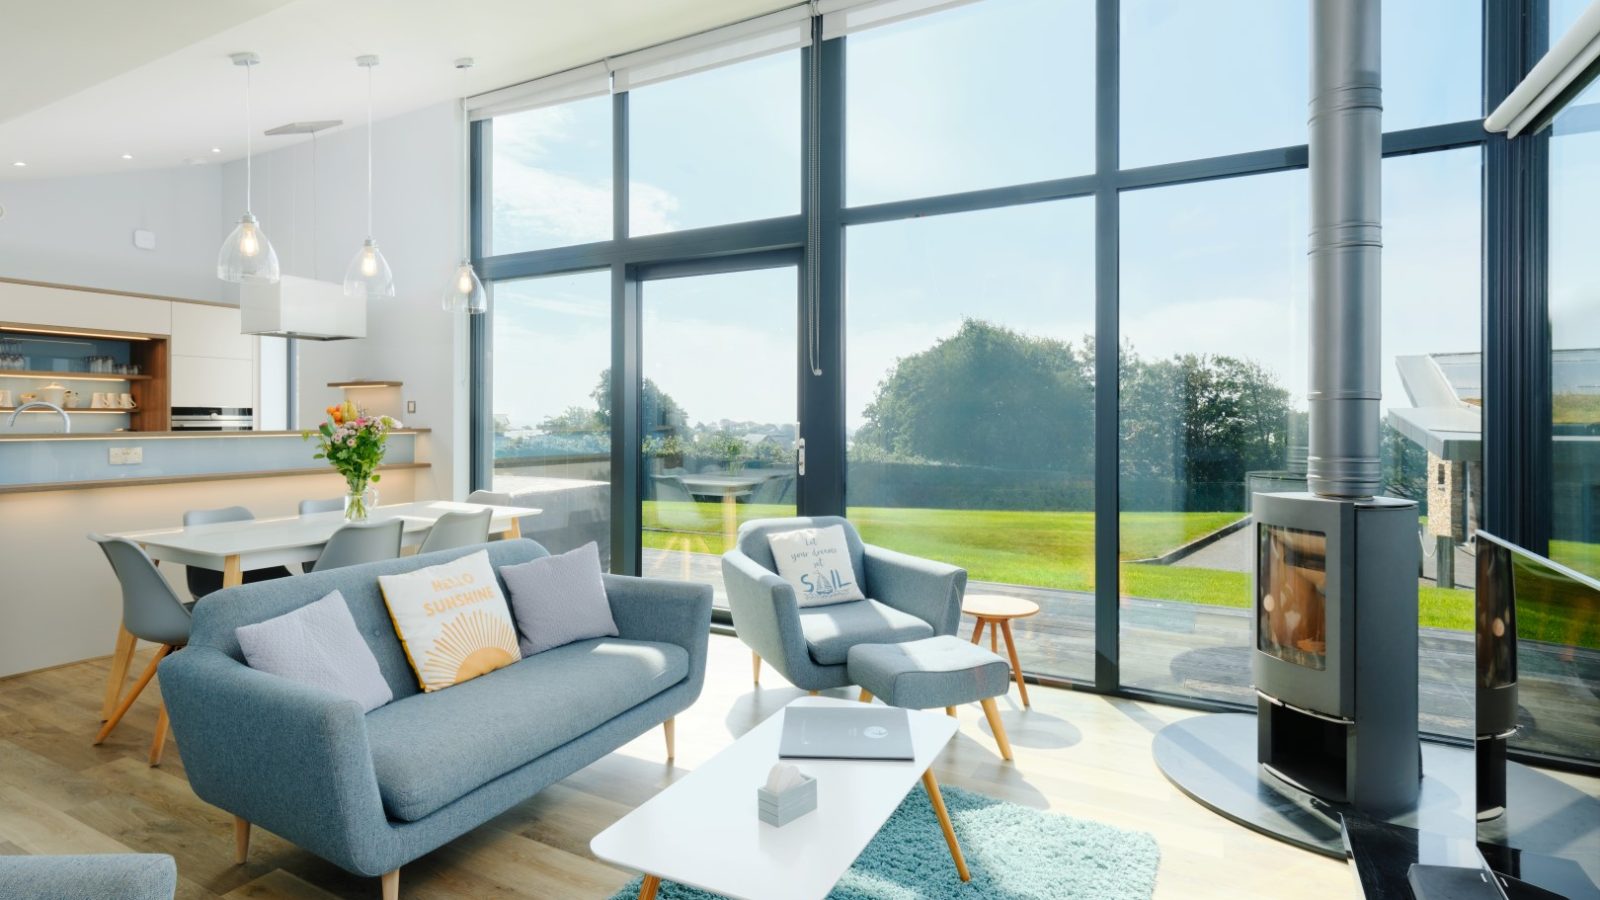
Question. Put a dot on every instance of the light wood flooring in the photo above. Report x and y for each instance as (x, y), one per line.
(1076, 753)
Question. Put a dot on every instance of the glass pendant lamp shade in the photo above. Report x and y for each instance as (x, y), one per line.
(247, 256)
(368, 274)
(465, 291)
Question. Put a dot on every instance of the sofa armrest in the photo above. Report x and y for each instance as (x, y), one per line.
(766, 613)
(929, 590)
(129, 876)
(656, 609)
(289, 757)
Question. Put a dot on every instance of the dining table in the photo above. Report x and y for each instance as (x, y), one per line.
(234, 548)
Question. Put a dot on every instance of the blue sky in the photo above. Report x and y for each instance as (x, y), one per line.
(993, 93)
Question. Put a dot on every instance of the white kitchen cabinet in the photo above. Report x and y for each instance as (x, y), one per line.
(212, 381)
(210, 331)
(32, 304)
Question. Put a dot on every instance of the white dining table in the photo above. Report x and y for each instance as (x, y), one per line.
(234, 548)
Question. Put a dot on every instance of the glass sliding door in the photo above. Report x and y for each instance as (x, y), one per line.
(551, 364)
(718, 421)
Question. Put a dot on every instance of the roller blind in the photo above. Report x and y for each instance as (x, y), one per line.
(842, 17)
(787, 29)
(593, 80)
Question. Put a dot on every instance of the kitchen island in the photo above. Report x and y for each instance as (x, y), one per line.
(59, 600)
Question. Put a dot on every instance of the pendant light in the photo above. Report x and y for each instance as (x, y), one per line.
(368, 274)
(465, 291)
(247, 256)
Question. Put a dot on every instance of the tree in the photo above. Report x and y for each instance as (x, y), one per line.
(572, 420)
(659, 412)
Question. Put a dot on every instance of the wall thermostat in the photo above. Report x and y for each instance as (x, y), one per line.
(144, 240)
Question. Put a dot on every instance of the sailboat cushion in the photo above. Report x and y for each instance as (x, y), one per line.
(816, 561)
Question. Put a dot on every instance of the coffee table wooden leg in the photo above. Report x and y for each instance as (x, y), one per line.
(937, 799)
(121, 658)
(1016, 666)
(977, 631)
(647, 890)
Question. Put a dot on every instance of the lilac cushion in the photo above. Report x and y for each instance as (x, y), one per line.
(319, 645)
(559, 599)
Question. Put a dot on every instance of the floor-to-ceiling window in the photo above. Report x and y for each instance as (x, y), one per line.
(984, 216)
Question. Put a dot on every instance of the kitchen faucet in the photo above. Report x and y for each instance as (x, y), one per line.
(66, 421)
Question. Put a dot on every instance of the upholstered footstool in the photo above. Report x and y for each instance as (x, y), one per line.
(932, 672)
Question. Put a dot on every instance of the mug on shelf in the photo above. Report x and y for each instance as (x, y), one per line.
(26, 398)
(5, 398)
(100, 400)
(71, 400)
(126, 401)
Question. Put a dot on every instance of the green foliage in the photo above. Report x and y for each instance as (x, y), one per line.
(355, 449)
(658, 411)
(573, 420)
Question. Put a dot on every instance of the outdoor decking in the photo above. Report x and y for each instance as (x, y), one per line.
(1200, 650)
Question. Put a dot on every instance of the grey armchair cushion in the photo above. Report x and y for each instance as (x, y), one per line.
(559, 599)
(926, 674)
(830, 631)
(318, 645)
(430, 749)
(126, 876)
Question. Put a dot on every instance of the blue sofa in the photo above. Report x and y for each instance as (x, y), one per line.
(126, 876)
(372, 792)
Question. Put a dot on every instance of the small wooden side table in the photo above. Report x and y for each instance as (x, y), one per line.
(995, 611)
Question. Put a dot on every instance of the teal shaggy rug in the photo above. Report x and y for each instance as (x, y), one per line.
(1014, 852)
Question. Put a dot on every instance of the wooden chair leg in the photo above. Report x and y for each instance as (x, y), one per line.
(1016, 665)
(158, 744)
(138, 688)
(670, 728)
(998, 727)
(755, 667)
(391, 885)
(649, 887)
(121, 658)
(866, 696)
(937, 799)
(241, 840)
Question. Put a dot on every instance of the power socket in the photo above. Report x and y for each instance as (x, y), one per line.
(126, 456)
(411, 407)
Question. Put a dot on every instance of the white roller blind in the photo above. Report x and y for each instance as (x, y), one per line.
(787, 29)
(841, 17)
(593, 80)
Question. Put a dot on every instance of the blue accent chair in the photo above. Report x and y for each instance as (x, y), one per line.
(908, 599)
(126, 876)
(371, 792)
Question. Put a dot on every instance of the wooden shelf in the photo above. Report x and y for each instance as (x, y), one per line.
(365, 384)
(71, 376)
(70, 412)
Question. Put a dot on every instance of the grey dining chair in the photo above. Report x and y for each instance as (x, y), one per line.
(361, 542)
(208, 581)
(151, 611)
(457, 529)
(778, 489)
(332, 504)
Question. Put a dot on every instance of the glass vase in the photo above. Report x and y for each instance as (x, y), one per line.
(359, 501)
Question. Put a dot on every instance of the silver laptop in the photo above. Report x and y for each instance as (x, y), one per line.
(871, 732)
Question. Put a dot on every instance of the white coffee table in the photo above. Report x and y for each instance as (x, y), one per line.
(703, 830)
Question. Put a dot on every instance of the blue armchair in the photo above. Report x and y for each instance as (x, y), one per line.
(908, 599)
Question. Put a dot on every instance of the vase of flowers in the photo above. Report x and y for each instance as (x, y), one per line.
(354, 443)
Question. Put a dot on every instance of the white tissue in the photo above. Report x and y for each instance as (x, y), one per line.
(783, 777)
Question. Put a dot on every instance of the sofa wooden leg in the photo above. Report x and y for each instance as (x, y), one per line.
(670, 728)
(241, 840)
(866, 696)
(998, 727)
(755, 668)
(391, 885)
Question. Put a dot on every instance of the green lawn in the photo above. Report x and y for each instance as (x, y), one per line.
(1577, 555)
(1044, 549)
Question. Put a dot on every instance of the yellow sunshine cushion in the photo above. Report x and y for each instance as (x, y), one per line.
(452, 620)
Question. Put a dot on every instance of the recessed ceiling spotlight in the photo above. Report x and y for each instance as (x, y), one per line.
(127, 156)
(216, 149)
(19, 164)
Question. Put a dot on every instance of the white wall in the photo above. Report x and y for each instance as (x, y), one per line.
(80, 231)
(318, 224)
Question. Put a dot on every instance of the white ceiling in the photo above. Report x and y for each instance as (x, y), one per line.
(84, 81)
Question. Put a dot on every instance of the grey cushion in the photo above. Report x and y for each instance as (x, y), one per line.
(559, 599)
(938, 671)
(318, 645)
(831, 630)
(126, 876)
(430, 749)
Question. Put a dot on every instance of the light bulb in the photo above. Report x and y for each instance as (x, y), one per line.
(249, 244)
(464, 283)
(369, 262)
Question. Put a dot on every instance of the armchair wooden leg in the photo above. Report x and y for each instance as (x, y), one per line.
(993, 713)
(755, 668)
(138, 688)
(866, 696)
(816, 693)
(670, 728)
(391, 885)
(158, 744)
(241, 840)
(950, 711)
(937, 799)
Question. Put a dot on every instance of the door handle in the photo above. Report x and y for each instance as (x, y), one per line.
(800, 456)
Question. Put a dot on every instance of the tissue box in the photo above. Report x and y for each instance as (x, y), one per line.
(781, 809)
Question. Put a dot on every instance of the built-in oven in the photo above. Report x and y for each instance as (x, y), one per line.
(212, 418)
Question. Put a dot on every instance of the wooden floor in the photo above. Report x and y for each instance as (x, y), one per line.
(1076, 753)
